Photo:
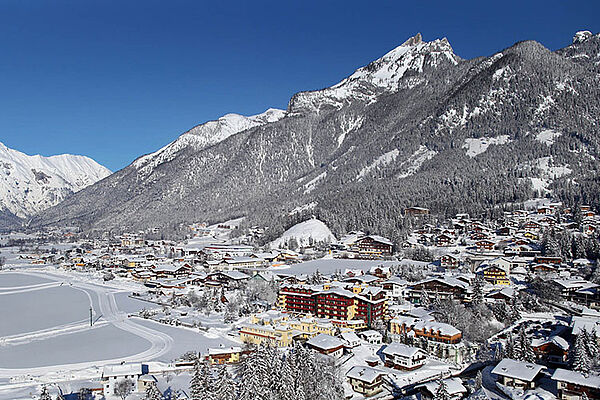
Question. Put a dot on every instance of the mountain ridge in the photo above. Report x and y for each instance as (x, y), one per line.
(383, 145)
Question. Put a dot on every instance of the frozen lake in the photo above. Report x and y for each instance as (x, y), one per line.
(12, 279)
(29, 311)
(102, 343)
(132, 305)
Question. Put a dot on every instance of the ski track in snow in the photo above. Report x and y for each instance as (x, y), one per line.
(160, 343)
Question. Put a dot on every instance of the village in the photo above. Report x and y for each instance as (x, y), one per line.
(507, 308)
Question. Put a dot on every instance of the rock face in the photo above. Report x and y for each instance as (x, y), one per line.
(418, 126)
(30, 184)
(582, 36)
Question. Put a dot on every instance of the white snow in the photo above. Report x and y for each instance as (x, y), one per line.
(380, 161)
(414, 162)
(72, 349)
(547, 136)
(30, 184)
(544, 105)
(476, 146)
(384, 74)
(331, 265)
(582, 36)
(206, 135)
(312, 184)
(552, 171)
(548, 172)
(348, 125)
(303, 208)
(302, 232)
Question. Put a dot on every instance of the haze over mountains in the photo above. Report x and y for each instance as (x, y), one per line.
(419, 126)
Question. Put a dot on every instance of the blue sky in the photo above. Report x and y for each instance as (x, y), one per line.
(117, 79)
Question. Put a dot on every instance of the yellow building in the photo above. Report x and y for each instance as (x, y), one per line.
(279, 335)
(228, 355)
(495, 274)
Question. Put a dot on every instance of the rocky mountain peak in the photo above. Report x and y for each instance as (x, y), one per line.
(581, 36)
(381, 75)
(415, 40)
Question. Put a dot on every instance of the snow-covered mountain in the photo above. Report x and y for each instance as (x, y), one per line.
(30, 184)
(384, 75)
(205, 135)
(418, 126)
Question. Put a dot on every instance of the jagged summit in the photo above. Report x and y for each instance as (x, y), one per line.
(413, 40)
(582, 36)
(382, 75)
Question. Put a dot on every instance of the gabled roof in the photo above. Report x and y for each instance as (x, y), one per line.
(364, 373)
(122, 369)
(377, 238)
(517, 369)
(401, 350)
(563, 375)
(324, 341)
(454, 386)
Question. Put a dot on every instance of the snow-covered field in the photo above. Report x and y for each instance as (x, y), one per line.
(45, 334)
(33, 308)
(185, 339)
(92, 344)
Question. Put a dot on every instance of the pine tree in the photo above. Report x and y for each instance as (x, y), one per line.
(224, 386)
(526, 351)
(199, 385)
(287, 389)
(442, 391)
(509, 351)
(478, 380)
(44, 395)
(424, 299)
(152, 392)
(591, 344)
(478, 285)
(581, 360)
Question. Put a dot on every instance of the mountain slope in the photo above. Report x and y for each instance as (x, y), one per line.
(30, 184)
(418, 126)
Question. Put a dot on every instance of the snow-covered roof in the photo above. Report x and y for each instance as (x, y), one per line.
(363, 278)
(379, 239)
(556, 340)
(364, 373)
(454, 386)
(401, 350)
(588, 323)
(122, 370)
(224, 350)
(371, 334)
(325, 342)
(575, 283)
(563, 375)
(523, 371)
(395, 280)
(350, 336)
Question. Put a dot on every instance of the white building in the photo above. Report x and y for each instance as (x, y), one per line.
(113, 374)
